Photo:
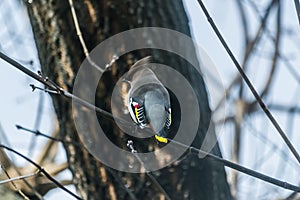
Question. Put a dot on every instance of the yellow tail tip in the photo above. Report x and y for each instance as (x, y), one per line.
(161, 139)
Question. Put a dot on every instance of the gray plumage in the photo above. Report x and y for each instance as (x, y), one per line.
(148, 92)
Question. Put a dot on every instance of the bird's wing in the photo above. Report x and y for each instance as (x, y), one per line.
(136, 68)
(124, 88)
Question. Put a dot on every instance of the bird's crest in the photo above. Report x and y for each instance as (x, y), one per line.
(142, 61)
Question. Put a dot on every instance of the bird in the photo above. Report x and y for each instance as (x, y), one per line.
(147, 100)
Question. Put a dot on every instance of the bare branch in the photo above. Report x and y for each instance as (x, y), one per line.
(238, 167)
(109, 115)
(283, 58)
(51, 138)
(42, 170)
(144, 170)
(13, 167)
(11, 180)
(244, 22)
(82, 42)
(64, 165)
(249, 84)
(254, 42)
(276, 51)
(18, 178)
(297, 5)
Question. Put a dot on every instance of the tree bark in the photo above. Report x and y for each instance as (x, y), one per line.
(61, 55)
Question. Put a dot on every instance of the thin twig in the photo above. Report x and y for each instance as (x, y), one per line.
(153, 179)
(250, 48)
(284, 108)
(238, 167)
(55, 89)
(80, 37)
(263, 138)
(38, 195)
(249, 84)
(297, 5)
(244, 22)
(276, 51)
(284, 58)
(18, 178)
(38, 133)
(11, 180)
(53, 180)
(27, 71)
(292, 196)
(110, 116)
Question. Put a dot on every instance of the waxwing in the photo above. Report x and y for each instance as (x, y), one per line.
(147, 100)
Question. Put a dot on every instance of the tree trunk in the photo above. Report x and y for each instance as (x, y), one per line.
(61, 55)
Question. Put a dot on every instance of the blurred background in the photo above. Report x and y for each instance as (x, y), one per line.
(264, 37)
